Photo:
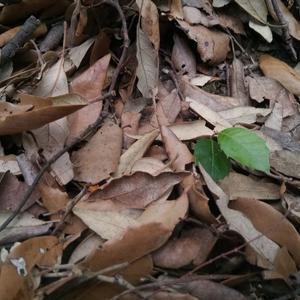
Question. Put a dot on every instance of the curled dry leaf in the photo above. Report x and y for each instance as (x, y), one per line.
(134, 153)
(192, 246)
(280, 71)
(139, 189)
(150, 21)
(274, 225)
(99, 158)
(88, 85)
(34, 112)
(178, 152)
(212, 46)
(182, 56)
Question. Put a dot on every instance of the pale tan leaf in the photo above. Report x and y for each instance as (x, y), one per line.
(135, 152)
(54, 82)
(208, 114)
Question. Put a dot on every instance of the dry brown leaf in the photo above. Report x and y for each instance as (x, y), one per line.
(192, 246)
(48, 140)
(33, 251)
(150, 21)
(204, 289)
(292, 22)
(150, 165)
(213, 101)
(178, 152)
(56, 201)
(264, 246)
(274, 225)
(280, 71)
(134, 153)
(44, 110)
(208, 114)
(130, 124)
(139, 189)
(89, 85)
(99, 158)
(212, 46)
(237, 82)
(135, 243)
(85, 247)
(262, 88)
(286, 162)
(236, 185)
(133, 273)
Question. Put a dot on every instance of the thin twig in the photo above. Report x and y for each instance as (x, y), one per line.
(91, 129)
(68, 210)
(285, 29)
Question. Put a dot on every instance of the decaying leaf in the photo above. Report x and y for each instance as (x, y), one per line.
(212, 46)
(34, 112)
(280, 71)
(99, 158)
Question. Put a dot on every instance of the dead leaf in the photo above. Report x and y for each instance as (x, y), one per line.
(99, 158)
(236, 185)
(280, 71)
(286, 162)
(88, 85)
(178, 152)
(32, 252)
(139, 189)
(274, 225)
(134, 153)
(212, 46)
(193, 246)
(147, 71)
(44, 111)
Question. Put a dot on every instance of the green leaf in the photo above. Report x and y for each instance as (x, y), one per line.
(209, 154)
(245, 147)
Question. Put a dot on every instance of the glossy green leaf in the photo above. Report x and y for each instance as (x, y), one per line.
(209, 154)
(245, 147)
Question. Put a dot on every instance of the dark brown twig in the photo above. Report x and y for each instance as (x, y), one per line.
(10, 49)
(89, 130)
(285, 30)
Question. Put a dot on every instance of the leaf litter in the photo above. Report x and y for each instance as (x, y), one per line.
(149, 149)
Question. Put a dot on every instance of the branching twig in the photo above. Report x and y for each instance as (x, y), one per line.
(285, 29)
(89, 130)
